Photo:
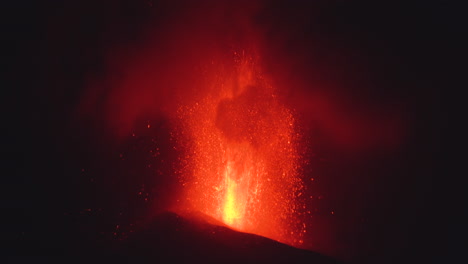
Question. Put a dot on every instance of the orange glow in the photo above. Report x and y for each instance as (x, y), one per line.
(242, 160)
(233, 208)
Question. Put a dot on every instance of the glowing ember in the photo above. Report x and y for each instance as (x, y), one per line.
(242, 158)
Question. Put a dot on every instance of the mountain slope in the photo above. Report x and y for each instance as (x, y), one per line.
(171, 237)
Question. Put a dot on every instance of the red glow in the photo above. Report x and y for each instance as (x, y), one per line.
(240, 119)
(243, 159)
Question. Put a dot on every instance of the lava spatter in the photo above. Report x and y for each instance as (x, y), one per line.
(242, 154)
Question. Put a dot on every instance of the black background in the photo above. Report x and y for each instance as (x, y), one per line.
(50, 48)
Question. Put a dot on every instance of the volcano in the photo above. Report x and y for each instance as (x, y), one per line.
(288, 125)
(198, 238)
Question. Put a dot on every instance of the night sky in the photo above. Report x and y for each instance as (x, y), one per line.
(71, 186)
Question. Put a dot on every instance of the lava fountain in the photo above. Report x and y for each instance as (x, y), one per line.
(242, 160)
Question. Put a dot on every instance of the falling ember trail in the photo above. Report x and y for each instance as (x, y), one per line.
(242, 158)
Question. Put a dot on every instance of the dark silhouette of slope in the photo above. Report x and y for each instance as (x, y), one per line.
(171, 237)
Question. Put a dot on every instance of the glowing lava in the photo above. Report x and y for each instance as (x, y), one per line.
(238, 172)
(233, 208)
(242, 162)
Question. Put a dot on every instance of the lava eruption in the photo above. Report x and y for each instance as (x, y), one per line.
(229, 131)
(242, 154)
(269, 131)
